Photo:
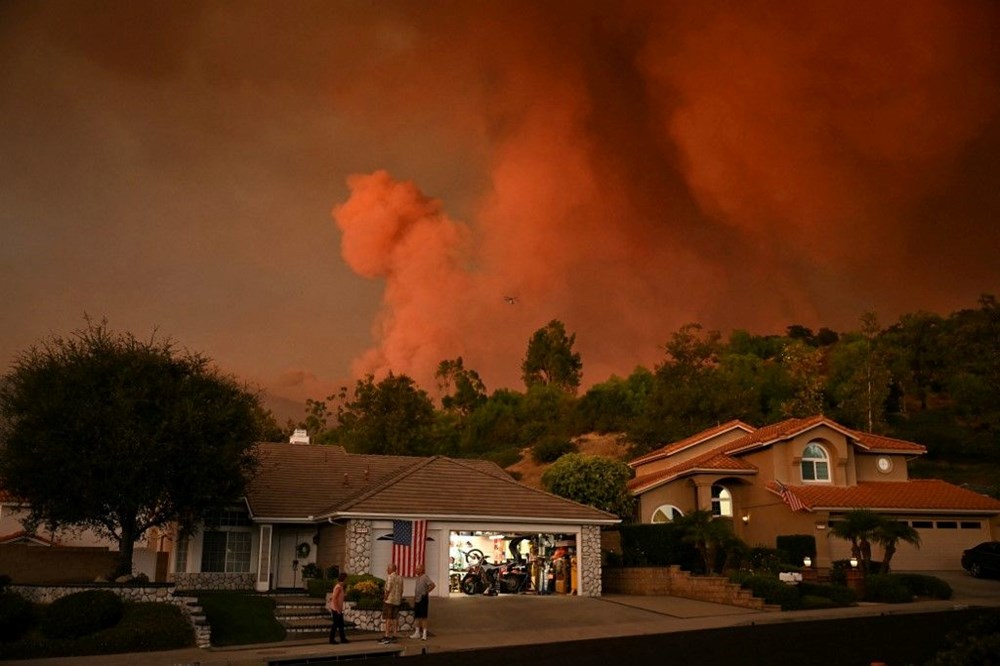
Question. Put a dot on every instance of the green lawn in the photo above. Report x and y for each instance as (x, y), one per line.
(240, 619)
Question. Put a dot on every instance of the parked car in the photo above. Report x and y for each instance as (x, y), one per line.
(983, 560)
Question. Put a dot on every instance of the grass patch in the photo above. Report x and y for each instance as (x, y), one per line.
(240, 619)
(144, 627)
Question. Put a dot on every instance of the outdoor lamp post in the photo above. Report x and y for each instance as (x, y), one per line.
(807, 561)
(854, 563)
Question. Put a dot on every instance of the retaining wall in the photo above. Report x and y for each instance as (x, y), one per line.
(671, 581)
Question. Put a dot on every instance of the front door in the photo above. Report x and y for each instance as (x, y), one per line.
(287, 564)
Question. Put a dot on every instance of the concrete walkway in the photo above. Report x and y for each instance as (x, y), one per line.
(471, 623)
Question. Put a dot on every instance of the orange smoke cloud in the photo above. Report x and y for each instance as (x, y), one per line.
(649, 166)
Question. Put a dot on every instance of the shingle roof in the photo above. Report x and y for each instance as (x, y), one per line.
(916, 495)
(303, 482)
(295, 481)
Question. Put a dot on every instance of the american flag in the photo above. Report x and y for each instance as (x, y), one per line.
(790, 498)
(409, 544)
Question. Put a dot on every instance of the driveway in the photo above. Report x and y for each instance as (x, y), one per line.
(968, 590)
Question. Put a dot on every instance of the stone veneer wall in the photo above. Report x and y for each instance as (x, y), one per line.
(214, 581)
(371, 620)
(653, 581)
(590, 546)
(359, 546)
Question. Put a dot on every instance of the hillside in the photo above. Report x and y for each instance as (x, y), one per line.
(609, 445)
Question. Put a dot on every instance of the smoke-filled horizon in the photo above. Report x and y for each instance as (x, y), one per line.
(625, 168)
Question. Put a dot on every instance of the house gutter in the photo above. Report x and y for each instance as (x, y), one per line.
(481, 518)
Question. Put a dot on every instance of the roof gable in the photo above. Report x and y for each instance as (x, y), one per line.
(311, 482)
(703, 437)
(441, 486)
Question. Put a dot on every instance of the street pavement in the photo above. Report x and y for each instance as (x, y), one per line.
(463, 623)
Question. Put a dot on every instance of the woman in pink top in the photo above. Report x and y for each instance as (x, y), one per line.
(335, 604)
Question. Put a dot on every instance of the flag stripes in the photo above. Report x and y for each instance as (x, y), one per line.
(790, 498)
(409, 545)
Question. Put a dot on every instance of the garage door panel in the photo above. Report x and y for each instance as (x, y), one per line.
(942, 541)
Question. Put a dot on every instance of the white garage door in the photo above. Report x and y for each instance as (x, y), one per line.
(383, 553)
(941, 544)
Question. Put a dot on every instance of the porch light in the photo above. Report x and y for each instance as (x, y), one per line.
(854, 563)
(746, 519)
(807, 561)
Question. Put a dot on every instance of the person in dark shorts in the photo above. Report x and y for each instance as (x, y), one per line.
(335, 604)
(421, 601)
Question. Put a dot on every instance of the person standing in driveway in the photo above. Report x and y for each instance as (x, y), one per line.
(392, 601)
(421, 601)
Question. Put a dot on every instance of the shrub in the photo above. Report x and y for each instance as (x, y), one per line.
(978, 643)
(311, 570)
(770, 589)
(796, 547)
(239, 618)
(813, 602)
(925, 586)
(887, 589)
(17, 615)
(656, 545)
(838, 594)
(144, 627)
(551, 448)
(763, 560)
(82, 613)
(364, 585)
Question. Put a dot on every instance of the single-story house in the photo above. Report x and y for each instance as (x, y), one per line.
(801, 475)
(318, 504)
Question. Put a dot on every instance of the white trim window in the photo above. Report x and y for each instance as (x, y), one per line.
(815, 464)
(722, 501)
(666, 513)
(225, 552)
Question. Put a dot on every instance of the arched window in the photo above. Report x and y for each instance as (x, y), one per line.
(666, 513)
(815, 463)
(722, 501)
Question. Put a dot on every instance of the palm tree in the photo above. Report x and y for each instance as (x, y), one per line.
(891, 532)
(706, 533)
(858, 526)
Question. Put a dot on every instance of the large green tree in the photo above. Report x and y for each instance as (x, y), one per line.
(550, 359)
(392, 417)
(106, 431)
(462, 389)
(595, 480)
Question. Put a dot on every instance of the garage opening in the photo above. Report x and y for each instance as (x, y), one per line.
(495, 563)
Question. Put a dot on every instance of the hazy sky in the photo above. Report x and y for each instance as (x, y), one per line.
(308, 191)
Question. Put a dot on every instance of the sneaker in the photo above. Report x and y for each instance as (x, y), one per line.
(385, 640)
(424, 637)
(415, 634)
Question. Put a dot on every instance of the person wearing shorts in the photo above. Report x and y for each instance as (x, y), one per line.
(391, 602)
(421, 602)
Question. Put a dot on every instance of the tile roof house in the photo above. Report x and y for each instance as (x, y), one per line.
(320, 504)
(800, 475)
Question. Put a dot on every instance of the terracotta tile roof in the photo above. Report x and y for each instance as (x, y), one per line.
(915, 495)
(776, 432)
(675, 447)
(296, 481)
(712, 461)
(871, 442)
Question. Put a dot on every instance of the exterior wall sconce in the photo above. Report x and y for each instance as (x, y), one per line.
(854, 563)
(746, 518)
(807, 561)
